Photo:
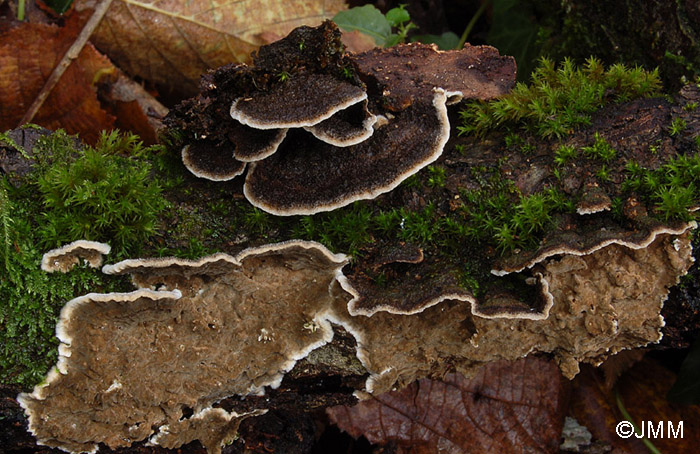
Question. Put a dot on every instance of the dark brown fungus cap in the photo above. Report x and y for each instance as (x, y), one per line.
(303, 100)
(206, 160)
(307, 176)
(402, 74)
(66, 257)
(593, 200)
(255, 144)
(348, 127)
(402, 281)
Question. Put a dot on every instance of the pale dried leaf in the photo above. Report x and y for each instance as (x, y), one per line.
(172, 42)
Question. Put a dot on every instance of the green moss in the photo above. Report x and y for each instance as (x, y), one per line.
(436, 178)
(670, 190)
(564, 154)
(678, 125)
(600, 150)
(106, 193)
(31, 299)
(103, 193)
(559, 99)
(345, 230)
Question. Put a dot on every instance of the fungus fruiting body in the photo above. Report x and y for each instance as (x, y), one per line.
(284, 185)
(156, 363)
(66, 257)
(303, 100)
(364, 136)
(206, 161)
(147, 355)
(197, 332)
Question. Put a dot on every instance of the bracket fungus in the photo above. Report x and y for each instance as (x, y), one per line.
(347, 153)
(158, 363)
(63, 259)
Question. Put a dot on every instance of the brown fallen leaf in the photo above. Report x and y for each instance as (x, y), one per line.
(28, 55)
(135, 109)
(172, 42)
(643, 391)
(356, 41)
(508, 407)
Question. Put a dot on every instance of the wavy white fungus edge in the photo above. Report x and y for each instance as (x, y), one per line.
(137, 265)
(365, 133)
(563, 250)
(541, 282)
(265, 151)
(90, 251)
(247, 120)
(131, 266)
(593, 209)
(439, 102)
(208, 176)
(203, 414)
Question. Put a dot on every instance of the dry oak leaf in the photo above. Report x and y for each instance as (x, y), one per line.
(172, 42)
(28, 54)
(507, 407)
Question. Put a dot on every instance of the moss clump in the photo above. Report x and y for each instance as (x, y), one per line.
(31, 299)
(672, 190)
(104, 193)
(559, 99)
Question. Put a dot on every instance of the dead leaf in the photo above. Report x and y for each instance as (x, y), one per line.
(619, 363)
(28, 55)
(643, 392)
(508, 407)
(135, 109)
(172, 42)
(357, 42)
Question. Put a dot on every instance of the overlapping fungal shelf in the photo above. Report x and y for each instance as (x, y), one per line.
(320, 137)
(63, 259)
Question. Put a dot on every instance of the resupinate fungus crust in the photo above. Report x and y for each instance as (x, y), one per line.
(196, 332)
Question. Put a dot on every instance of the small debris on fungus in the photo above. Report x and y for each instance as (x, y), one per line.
(63, 259)
(349, 154)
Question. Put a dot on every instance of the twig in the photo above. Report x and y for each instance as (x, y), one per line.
(70, 55)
